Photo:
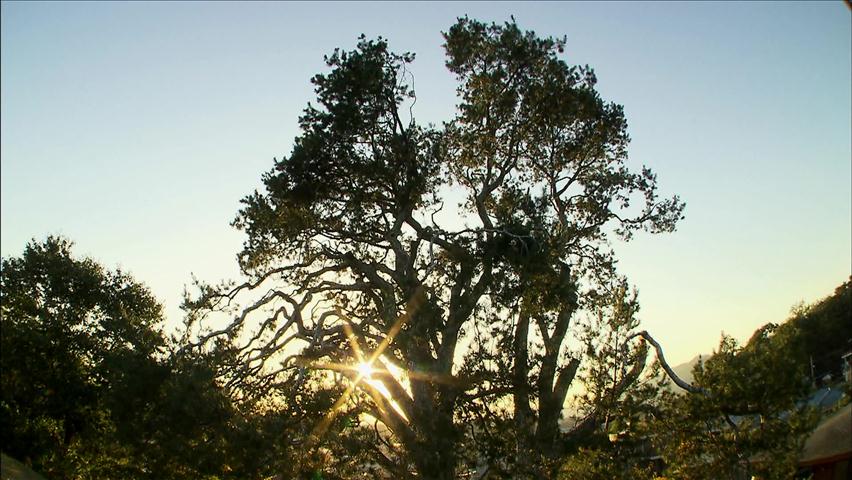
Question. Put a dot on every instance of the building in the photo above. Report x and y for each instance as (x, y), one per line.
(828, 450)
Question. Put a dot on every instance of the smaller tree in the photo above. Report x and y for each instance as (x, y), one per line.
(822, 331)
(90, 389)
(70, 330)
(745, 417)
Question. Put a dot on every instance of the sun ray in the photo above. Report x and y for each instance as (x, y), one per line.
(383, 390)
(364, 370)
(350, 335)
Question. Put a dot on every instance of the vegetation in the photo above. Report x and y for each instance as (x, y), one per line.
(746, 420)
(89, 388)
(69, 332)
(743, 416)
(822, 331)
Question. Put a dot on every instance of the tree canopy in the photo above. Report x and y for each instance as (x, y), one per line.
(822, 331)
(70, 330)
(749, 417)
(90, 388)
(356, 251)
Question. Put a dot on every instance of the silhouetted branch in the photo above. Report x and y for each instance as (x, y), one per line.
(668, 369)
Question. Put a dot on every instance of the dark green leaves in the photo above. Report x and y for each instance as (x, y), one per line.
(70, 332)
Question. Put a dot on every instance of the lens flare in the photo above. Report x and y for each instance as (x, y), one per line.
(365, 370)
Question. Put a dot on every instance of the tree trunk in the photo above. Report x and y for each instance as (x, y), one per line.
(434, 447)
(435, 457)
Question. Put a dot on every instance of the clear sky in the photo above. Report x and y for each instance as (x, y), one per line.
(135, 128)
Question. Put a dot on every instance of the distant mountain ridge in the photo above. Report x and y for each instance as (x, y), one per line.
(684, 371)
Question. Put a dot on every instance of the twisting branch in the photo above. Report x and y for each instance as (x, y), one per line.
(668, 369)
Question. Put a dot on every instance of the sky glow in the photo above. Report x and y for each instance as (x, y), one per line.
(135, 128)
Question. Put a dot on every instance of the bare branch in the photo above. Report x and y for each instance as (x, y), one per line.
(668, 369)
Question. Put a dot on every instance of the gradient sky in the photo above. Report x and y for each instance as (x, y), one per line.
(135, 128)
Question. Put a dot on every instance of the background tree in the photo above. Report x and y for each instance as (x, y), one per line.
(354, 250)
(822, 331)
(746, 414)
(748, 419)
(68, 329)
(90, 390)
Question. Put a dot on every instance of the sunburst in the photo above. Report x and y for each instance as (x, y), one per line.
(363, 371)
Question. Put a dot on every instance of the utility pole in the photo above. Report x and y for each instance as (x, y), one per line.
(813, 378)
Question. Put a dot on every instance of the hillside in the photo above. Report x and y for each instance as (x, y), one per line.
(823, 331)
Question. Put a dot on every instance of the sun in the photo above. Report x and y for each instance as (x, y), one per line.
(365, 370)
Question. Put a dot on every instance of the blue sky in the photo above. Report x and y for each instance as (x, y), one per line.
(135, 128)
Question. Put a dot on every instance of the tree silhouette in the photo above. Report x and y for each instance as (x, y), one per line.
(356, 251)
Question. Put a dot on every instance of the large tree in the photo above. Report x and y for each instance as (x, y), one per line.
(461, 253)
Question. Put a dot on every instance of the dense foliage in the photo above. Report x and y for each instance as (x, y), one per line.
(70, 331)
(744, 416)
(90, 390)
(750, 418)
(822, 331)
(747, 420)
